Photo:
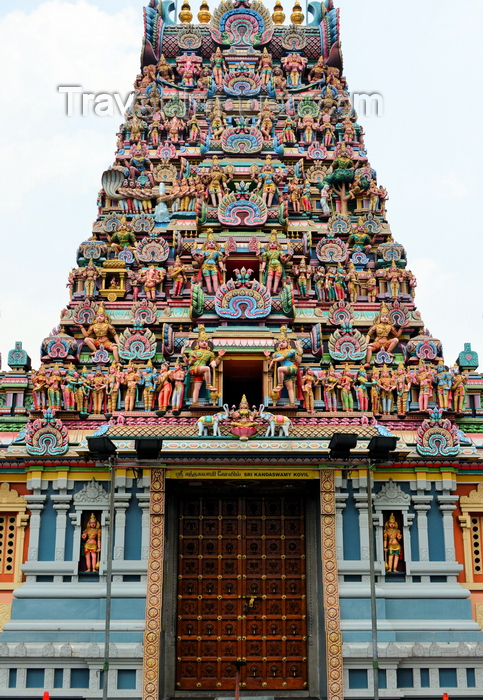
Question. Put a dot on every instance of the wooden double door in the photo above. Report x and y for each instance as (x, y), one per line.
(241, 593)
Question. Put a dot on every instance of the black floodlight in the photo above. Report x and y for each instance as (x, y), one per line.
(102, 446)
(148, 448)
(341, 444)
(238, 663)
(380, 446)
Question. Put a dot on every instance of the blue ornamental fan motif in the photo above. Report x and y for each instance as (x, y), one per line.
(46, 436)
(166, 150)
(338, 224)
(144, 312)
(390, 251)
(150, 251)
(238, 26)
(317, 151)
(347, 344)
(101, 356)
(142, 223)
(137, 344)
(235, 140)
(84, 313)
(59, 346)
(438, 437)
(424, 347)
(252, 301)
(234, 211)
(242, 83)
(92, 250)
(332, 250)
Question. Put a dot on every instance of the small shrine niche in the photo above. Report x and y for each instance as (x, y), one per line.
(113, 279)
(392, 522)
(393, 542)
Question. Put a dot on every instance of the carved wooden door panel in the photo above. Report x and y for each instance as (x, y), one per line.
(241, 593)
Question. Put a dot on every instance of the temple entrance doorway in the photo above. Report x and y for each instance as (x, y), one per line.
(241, 591)
(243, 377)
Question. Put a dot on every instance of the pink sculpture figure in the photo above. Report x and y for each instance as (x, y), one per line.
(273, 264)
(294, 67)
(151, 278)
(424, 377)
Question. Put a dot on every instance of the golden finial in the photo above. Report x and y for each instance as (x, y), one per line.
(185, 16)
(297, 16)
(278, 13)
(204, 15)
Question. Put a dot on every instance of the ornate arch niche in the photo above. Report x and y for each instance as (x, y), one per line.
(392, 499)
(92, 498)
(471, 521)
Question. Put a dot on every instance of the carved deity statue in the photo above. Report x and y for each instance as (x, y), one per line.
(392, 546)
(273, 263)
(91, 536)
(201, 359)
(101, 329)
(287, 358)
(211, 258)
(382, 330)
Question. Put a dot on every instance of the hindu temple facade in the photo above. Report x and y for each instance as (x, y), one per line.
(242, 298)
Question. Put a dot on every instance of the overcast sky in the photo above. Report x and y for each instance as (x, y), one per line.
(423, 57)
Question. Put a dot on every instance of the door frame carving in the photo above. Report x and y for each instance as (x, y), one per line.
(316, 643)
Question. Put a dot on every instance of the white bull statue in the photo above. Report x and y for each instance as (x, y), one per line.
(282, 422)
(212, 421)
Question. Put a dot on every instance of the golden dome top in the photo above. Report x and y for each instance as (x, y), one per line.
(204, 15)
(185, 16)
(297, 16)
(278, 13)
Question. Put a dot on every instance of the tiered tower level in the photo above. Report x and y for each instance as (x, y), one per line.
(242, 297)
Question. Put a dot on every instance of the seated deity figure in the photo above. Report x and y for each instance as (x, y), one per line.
(100, 331)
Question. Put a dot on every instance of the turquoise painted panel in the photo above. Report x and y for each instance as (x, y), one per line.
(435, 529)
(132, 540)
(405, 678)
(78, 609)
(427, 609)
(79, 678)
(448, 678)
(126, 679)
(350, 532)
(35, 678)
(357, 678)
(47, 527)
(58, 677)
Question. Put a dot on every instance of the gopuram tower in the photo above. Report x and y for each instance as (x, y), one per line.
(242, 299)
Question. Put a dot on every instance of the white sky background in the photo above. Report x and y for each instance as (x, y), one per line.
(424, 58)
